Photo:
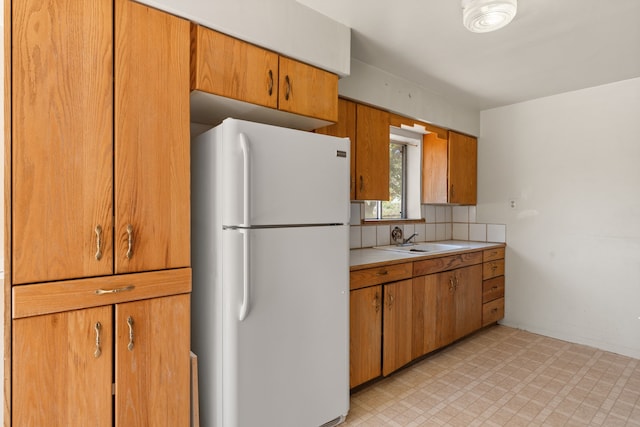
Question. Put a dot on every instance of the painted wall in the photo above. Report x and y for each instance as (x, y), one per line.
(378, 87)
(571, 162)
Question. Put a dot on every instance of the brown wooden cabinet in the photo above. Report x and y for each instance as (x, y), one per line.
(100, 185)
(397, 326)
(492, 286)
(232, 68)
(372, 153)
(345, 127)
(365, 331)
(449, 169)
(71, 383)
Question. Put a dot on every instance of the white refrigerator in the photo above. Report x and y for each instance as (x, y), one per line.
(270, 255)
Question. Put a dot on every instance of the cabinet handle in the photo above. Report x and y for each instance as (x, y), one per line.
(493, 268)
(382, 273)
(376, 302)
(494, 310)
(456, 281)
(270, 82)
(114, 291)
(495, 288)
(361, 183)
(98, 231)
(130, 323)
(451, 285)
(98, 352)
(287, 87)
(129, 241)
(391, 300)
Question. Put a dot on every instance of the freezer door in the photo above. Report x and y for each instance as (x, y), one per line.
(286, 363)
(277, 176)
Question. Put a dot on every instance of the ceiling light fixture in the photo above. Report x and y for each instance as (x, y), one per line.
(482, 16)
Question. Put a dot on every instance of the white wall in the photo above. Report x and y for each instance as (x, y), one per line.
(572, 164)
(378, 87)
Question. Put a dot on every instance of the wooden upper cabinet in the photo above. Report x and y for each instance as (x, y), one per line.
(61, 139)
(307, 90)
(463, 169)
(232, 68)
(449, 169)
(372, 153)
(152, 146)
(345, 127)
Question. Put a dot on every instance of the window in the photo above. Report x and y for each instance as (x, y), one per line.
(404, 179)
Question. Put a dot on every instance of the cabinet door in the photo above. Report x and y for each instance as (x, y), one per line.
(365, 343)
(424, 311)
(307, 90)
(397, 331)
(152, 362)
(345, 127)
(58, 379)
(234, 69)
(152, 183)
(468, 300)
(434, 169)
(463, 169)
(446, 308)
(372, 153)
(61, 139)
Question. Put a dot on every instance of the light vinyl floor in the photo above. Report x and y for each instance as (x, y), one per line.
(502, 376)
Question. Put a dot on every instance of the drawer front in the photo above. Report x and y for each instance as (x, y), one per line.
(375, 276)
(492, 311)
(436, 265)
(45, 298)
(492, 254)
(493, 269)
(492, 289)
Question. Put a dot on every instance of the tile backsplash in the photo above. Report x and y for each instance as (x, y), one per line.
(441, 223)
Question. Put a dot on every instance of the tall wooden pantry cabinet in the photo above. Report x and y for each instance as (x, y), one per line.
(97, 207)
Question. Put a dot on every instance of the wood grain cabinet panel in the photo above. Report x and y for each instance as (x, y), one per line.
(229, 67)
(365, 343)
(62, 139)
(397, 326)
(152, 164)
(372, 153)
(377, 275)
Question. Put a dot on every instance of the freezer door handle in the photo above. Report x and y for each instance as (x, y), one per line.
(246, 292)
(246, 157)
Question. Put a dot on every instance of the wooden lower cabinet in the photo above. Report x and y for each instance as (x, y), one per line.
(365, 323)
(64, 365)
(396, 329)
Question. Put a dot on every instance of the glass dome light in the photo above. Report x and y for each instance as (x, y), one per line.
(482, 16)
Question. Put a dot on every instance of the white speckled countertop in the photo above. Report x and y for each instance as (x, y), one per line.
(370, 257)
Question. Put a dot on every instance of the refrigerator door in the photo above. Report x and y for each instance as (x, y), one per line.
(286, 363)
(282, 176)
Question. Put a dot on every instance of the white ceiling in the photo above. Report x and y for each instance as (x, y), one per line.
(551, 46)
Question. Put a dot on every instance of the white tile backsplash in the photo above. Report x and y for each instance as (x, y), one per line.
(441, 223)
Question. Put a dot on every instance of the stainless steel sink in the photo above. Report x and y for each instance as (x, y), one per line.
(422, 248)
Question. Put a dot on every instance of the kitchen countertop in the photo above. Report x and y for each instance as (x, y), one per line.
(370, 257)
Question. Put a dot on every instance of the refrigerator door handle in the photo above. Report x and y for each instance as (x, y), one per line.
(246, 157)
(246, 293)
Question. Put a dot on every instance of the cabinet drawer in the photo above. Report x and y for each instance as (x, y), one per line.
(493, 269)
(375, 276)
(492, 289)
(436, 265)
(492, 254)
(492, 311)
(45, 298)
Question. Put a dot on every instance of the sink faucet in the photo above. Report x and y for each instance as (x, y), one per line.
(405, 241)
